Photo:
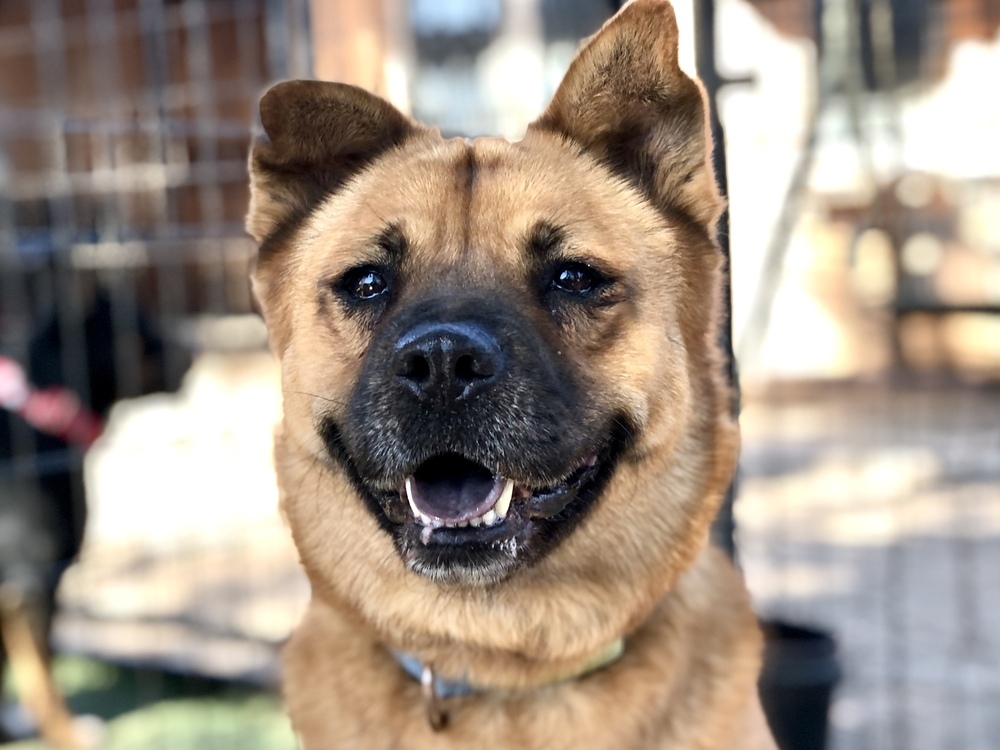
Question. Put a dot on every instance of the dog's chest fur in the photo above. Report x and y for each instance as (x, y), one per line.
(681, 663)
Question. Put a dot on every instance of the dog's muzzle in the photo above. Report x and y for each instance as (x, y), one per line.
(470, 436)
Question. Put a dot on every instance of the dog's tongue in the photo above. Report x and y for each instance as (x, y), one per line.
(452, 489)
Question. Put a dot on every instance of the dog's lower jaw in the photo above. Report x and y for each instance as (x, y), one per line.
(480, 575)
(695, 656)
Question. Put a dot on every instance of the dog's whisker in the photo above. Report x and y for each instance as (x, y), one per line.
(327, 399)
(379, 216)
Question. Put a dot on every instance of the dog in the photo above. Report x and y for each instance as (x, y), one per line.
(43, 508)
(506, 428)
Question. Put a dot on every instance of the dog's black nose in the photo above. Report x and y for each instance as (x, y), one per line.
(449, 360)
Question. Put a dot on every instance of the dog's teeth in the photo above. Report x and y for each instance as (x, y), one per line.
(503, 504)
(496, 514)
(409, 497)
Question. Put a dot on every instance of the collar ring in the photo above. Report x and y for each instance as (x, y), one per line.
(436, 715)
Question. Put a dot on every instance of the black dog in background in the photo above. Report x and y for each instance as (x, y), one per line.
(43, 507)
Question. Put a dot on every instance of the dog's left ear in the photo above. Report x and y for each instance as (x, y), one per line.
(626, 101)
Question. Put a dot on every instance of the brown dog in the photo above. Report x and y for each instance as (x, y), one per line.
(506, 430)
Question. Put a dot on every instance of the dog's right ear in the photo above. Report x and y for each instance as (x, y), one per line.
(316, 135)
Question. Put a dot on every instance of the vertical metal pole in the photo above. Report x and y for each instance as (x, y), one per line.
(56, 106)
(724, 528)
(168, 270)
(15, 309)
(119, 282)
(199, 84)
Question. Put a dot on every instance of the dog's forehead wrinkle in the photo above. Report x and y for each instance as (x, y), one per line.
(466, 170)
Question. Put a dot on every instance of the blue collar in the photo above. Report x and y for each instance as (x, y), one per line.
(435, 688)
(442, 688)
(453, 688)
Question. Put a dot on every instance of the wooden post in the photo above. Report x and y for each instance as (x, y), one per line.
(349, 42)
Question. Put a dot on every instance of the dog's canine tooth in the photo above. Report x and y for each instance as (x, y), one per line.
(503, 504)
(408, 485)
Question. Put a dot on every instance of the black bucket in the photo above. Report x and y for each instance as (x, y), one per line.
(796, 684)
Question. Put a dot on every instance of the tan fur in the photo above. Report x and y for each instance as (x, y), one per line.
(621, 159)
(31, 670)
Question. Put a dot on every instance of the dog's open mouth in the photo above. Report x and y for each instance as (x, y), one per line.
(454, 518)
(451, 492)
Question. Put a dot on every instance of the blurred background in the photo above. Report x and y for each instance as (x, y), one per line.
(864, 188)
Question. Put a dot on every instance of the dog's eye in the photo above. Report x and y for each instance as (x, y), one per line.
(365, 283)
(576, 278)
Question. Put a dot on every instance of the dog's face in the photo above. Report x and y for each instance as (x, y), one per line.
(498, 359)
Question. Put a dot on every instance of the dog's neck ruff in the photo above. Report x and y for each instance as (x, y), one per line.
(435, 688)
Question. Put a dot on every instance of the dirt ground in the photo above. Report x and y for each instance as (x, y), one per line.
(873, 511)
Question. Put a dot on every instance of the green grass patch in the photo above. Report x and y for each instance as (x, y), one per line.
(146, 709)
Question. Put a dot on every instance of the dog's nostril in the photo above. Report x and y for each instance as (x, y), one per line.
(469, 368)
(415, 368)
